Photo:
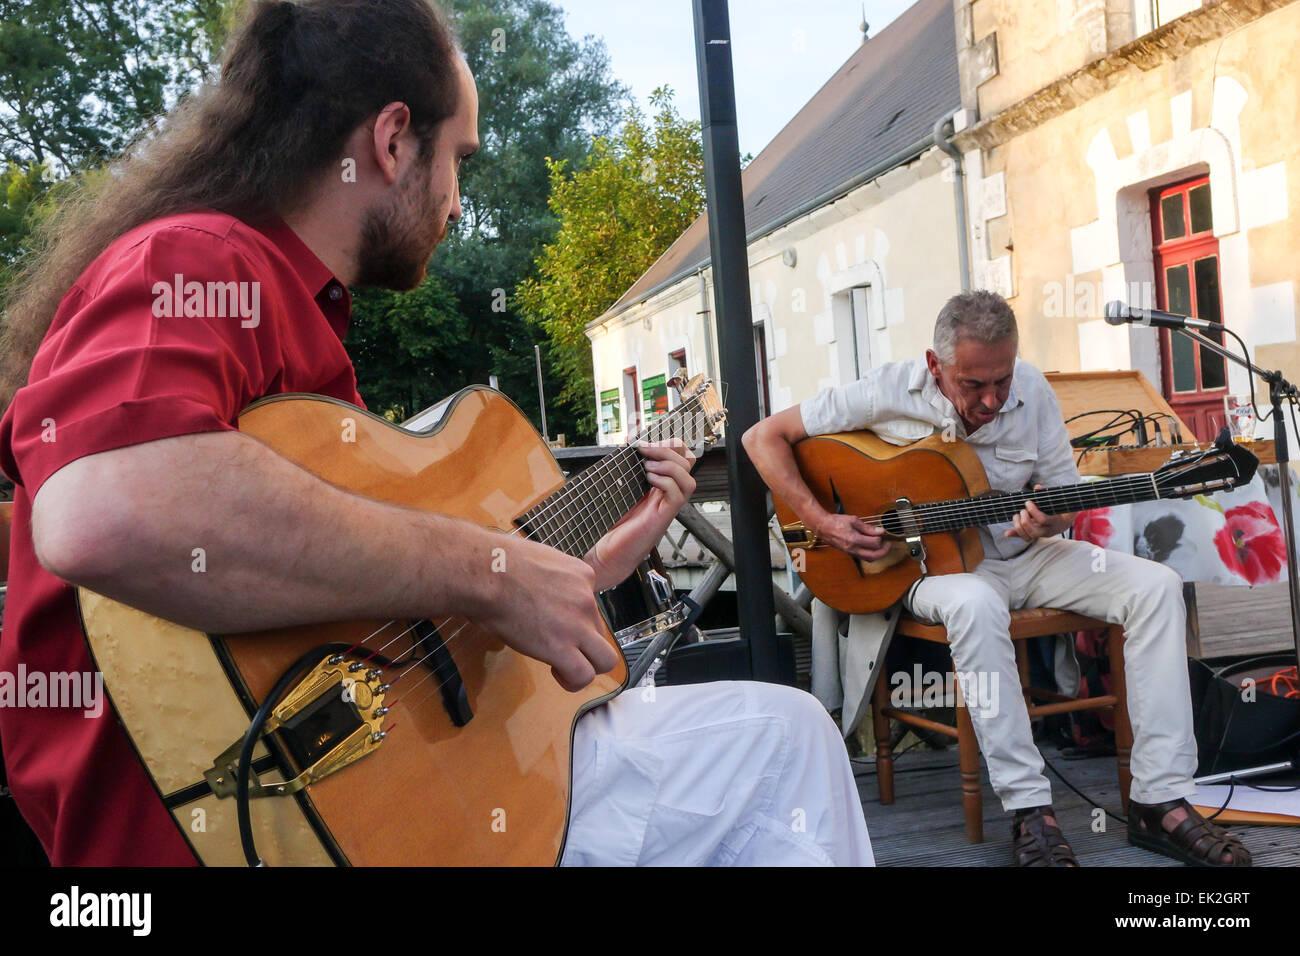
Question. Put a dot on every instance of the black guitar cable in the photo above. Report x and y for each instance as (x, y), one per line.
(295, 672)
(1095, 437)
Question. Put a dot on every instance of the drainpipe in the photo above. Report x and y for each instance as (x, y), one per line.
(710, 367)
(942, 130)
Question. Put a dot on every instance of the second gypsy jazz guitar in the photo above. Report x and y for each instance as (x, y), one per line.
(930, 497)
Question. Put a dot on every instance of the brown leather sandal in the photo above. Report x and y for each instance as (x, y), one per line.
(1194, 841)
(1035, 842)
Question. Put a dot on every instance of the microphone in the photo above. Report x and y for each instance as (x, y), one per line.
(1117, 313)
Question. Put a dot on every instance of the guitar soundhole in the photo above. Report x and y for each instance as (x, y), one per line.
(893, 523)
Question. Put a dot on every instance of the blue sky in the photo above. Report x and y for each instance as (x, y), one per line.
(784, 50)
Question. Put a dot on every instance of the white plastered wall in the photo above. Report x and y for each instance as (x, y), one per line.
(1119, 241)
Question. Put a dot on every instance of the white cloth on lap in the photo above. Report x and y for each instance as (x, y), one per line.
(729, 773)
(845, 665)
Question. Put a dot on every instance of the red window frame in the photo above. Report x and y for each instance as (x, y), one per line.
(1196, 406)
(760, 369)
(676, 360)
(633, 419)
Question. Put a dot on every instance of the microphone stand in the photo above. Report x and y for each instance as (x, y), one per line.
(1279, 389)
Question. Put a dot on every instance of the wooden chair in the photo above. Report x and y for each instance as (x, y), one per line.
(1024, 624)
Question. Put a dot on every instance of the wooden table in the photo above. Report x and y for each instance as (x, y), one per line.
(1080, 392)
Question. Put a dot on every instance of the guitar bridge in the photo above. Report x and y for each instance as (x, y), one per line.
(332, 718)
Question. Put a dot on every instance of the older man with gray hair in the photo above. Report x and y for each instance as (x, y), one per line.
(972, 386)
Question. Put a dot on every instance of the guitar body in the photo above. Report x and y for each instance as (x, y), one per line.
(859, 474)
(493, 791)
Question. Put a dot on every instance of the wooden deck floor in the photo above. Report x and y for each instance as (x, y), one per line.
(924, 826)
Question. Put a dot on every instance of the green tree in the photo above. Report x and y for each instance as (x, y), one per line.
(22, 185)
(541, 93)
(624, 205)
(79, 79)
(406, 347)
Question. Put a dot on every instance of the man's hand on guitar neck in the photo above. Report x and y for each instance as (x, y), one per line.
(546, 606)
(1032, 524)
(668, 469)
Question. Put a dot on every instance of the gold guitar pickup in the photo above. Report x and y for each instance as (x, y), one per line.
(332, 718)
(799, 535)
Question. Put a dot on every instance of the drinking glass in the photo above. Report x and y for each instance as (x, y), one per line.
(1241, 417)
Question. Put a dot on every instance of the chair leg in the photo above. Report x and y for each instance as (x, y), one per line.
(968, 755)
(1123, 731)
(884, 752)
(1022, 668)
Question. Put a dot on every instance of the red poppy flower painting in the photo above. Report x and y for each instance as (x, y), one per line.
(1251, 543)
(1094, 526)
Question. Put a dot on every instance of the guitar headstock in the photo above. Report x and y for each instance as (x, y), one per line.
(703, 416)
(1222, 467)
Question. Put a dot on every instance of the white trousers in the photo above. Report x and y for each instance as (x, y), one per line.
(729, 773)
(1145, 597)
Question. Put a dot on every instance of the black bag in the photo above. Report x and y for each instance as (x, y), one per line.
(1233, 733)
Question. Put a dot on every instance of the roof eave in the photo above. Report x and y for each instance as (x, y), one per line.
(874, 171)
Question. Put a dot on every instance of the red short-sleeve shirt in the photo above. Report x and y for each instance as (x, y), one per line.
(153, 341)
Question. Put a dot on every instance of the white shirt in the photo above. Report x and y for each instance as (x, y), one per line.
(1026, 443)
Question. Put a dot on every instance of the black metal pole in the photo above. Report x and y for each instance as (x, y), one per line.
(735, 335)
(1278, 389)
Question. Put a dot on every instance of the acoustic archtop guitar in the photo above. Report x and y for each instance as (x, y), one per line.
(930, 497)
(380, 742)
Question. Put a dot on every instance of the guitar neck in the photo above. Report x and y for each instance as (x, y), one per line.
(1005, 505)
(583, 511)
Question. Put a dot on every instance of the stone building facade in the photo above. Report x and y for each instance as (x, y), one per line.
(1143, 152)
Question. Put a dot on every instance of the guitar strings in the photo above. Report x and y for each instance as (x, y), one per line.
(584, 481)
(1073, 497)
(1051, 497)
(1011, 502)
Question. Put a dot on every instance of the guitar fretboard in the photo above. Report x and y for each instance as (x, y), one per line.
(1003, 506)
(579, 514)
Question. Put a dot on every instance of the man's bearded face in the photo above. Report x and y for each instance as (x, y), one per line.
(398, 240)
